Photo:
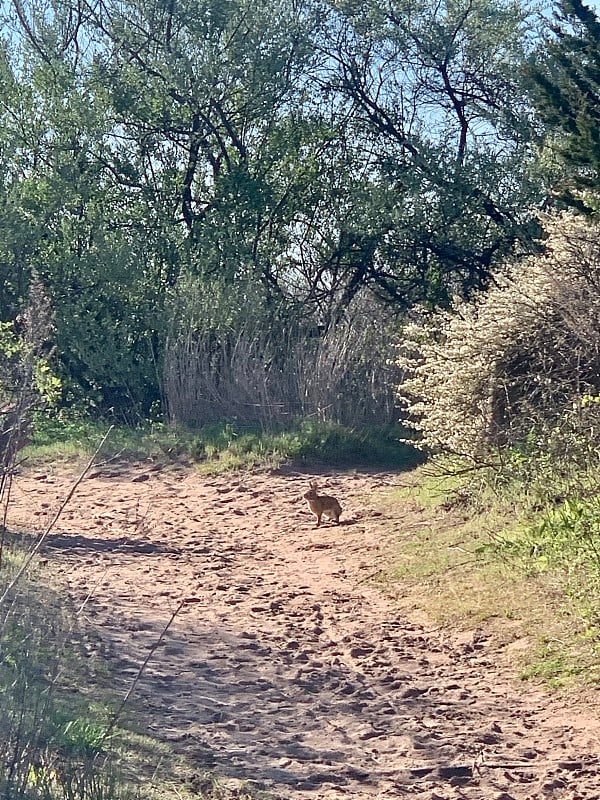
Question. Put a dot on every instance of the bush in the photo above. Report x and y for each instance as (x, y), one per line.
(515, 372)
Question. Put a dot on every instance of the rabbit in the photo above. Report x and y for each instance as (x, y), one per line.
(321, 504)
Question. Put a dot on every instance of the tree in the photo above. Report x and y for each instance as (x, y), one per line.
(565, 74)
(436, 94)
(300, 153)
(65, 222)
(165, 142)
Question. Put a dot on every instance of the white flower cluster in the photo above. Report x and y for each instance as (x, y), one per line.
(506, 365)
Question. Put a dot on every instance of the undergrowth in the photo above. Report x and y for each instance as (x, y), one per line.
(55, 744)
(523, 566)
(229, 445)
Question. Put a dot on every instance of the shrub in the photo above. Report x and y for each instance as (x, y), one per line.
(25, 375)
(517, 369)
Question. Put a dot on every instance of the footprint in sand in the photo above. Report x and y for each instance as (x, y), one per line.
(294, 674)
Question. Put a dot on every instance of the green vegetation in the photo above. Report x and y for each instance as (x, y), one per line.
(238, 195)
(55, 743)
(230, 445)
(495, 561)
(216, 448)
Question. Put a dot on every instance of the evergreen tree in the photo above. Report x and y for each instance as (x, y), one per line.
(566, 86)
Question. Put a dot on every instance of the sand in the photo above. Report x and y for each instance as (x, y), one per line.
(286, 665)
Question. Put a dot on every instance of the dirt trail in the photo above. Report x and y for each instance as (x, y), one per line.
(291, 669)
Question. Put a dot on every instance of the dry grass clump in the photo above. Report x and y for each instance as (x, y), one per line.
(518, 368)
(229, 357)
(25, 375)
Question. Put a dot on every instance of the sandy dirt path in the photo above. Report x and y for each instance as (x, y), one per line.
(288, 667)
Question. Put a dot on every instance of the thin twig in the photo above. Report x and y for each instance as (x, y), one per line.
(140, 671)
(54, 520)
(5, 488)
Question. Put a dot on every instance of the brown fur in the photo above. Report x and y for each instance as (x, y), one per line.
(321, 504)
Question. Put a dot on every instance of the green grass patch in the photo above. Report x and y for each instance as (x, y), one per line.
(230, 445)
(529, 579)
(556, 665)
(67, 436)
(431, 488)
(567, 537)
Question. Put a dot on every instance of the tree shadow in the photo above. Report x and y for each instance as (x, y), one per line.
(75, 543)
(287, 720)
(72, 544)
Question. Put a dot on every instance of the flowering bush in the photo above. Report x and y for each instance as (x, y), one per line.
(518, 366)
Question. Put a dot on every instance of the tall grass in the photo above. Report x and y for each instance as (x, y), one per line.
(52, 744)
(229, 357)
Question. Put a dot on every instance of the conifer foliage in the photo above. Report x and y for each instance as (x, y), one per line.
(566, 78)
